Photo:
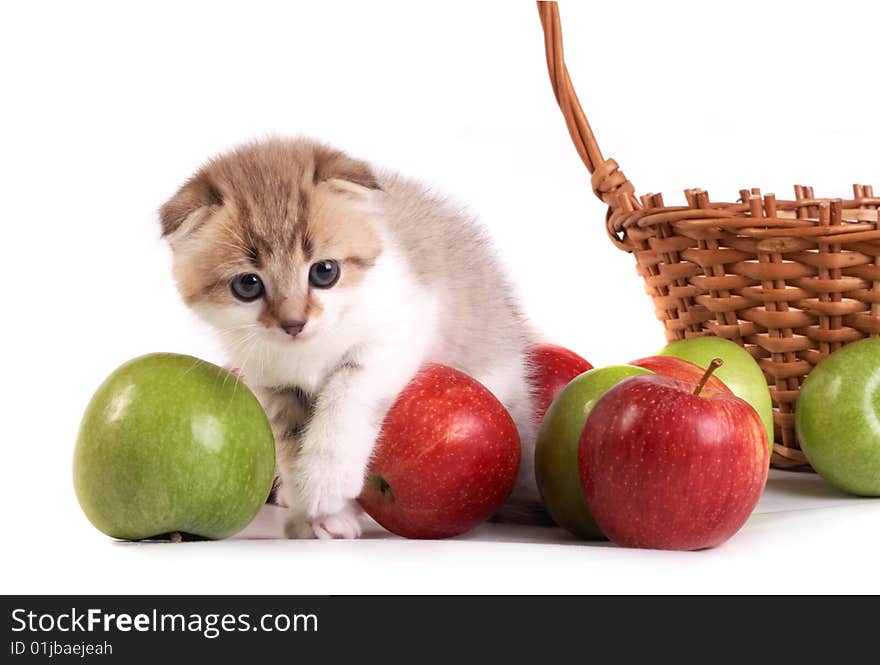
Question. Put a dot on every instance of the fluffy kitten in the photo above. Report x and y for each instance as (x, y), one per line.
(330, 285)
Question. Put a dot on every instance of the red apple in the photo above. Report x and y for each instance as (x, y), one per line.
(552, 367)
(678, 368)
(667, 465)
(446, 459)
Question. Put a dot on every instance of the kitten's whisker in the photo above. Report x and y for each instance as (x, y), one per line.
(233, 266)
(196, 362)
(262, 360)
(242, 248)
(226, 226)
(246, 360)
(234, 329)
(239, 345)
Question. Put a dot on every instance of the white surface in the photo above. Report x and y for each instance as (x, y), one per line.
(803, 537)
(109, 106)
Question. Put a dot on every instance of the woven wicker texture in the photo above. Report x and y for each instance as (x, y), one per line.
(791, 281)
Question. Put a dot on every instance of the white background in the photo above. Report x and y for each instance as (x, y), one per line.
(107, 107)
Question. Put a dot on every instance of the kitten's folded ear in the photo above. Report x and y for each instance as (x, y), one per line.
(185, 211)
(331, 164)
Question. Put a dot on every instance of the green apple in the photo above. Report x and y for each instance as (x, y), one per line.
(739, 372)
(170, 443)
(556, 451)
(838, 418)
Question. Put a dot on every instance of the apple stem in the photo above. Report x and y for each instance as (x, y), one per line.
(715, 364)
(175, 537)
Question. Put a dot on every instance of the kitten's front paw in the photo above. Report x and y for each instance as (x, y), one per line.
(345, 524)
(296, 526)
(319, 486)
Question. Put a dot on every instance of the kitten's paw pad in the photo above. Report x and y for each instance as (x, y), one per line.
(344, 525)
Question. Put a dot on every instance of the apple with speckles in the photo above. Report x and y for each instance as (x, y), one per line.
(666, 464)
(551, 368)
(446, 459)
(556, 450)
(740, 372)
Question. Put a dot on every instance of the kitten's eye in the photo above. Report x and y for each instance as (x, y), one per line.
(247, 287)
(324, 274)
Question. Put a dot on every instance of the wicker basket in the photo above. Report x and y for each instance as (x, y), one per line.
(791, 281)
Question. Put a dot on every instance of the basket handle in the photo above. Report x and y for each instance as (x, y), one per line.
(608, 181)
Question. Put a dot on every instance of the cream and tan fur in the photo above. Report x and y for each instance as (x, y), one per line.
(417, 283)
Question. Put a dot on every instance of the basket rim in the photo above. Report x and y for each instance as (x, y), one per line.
(821, 220)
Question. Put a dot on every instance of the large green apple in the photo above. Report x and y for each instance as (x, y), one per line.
(556, 452)
(838, 418)
(170, 443)
(739, 372)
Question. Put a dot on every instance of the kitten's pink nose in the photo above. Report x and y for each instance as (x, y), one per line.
(292, 328)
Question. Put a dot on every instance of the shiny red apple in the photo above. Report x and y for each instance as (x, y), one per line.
(446, 459)
(666, 464)
(552, 367)
(678, 368)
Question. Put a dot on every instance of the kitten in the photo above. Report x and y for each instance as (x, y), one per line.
(329, 285)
